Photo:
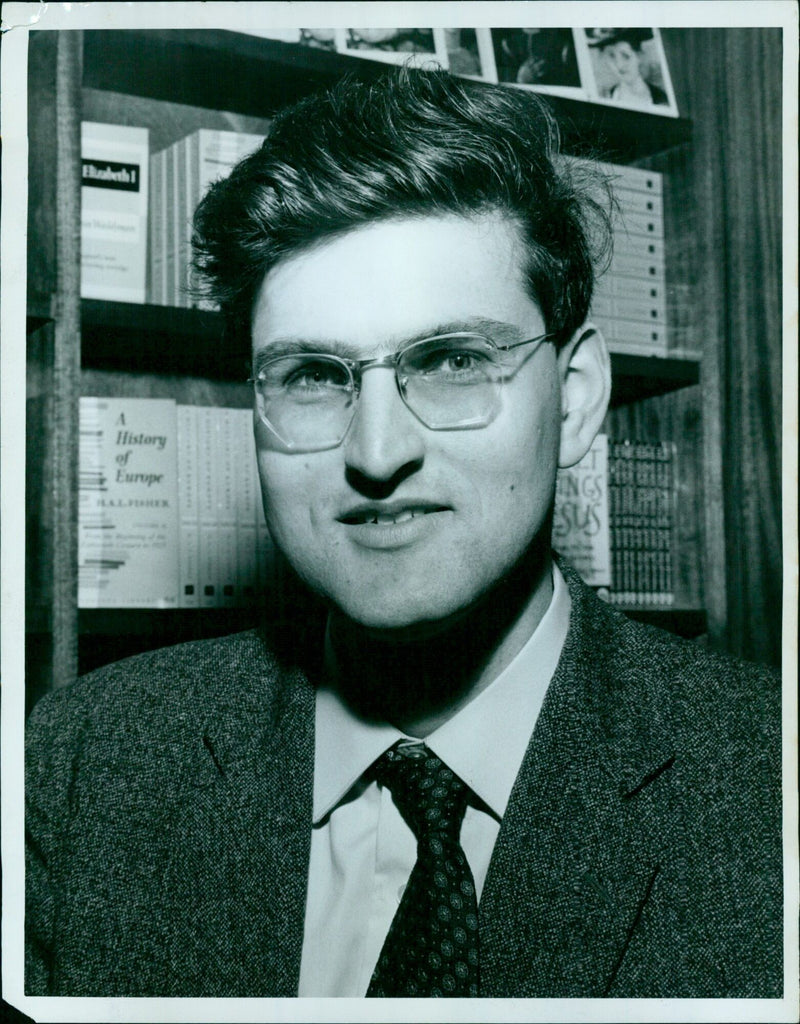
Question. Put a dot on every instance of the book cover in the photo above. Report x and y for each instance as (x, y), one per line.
(581, 516)
(128, 504)
(114, 200)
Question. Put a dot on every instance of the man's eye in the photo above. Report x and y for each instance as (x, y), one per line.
(462, 361)
(313, 375)
(451, 362)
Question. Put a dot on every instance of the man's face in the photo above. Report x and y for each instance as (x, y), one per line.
(478, 496)
(623, 60)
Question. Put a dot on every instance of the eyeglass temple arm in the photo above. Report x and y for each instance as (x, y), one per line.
(528, 341)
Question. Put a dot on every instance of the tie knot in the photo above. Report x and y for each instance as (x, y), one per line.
(431, 798)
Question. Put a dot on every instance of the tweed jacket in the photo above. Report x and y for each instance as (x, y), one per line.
(170, 809)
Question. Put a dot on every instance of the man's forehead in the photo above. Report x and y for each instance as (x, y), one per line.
(399, 280)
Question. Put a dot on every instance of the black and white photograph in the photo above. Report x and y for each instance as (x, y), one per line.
(399, 515)
(468, 52)
(394, 45)
(544, 58)
(628, 68)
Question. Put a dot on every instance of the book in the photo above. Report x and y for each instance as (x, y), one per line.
(581, 528)
(188, 507)
(185, 171)
(157, 288)
(114, 211)
(127, 504)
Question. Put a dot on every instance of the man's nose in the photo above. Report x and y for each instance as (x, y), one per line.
(385, 437)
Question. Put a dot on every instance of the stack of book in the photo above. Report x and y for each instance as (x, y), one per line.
(629, 302)
(614, 520)
(642, 521)
(170, 509)
(180, 176)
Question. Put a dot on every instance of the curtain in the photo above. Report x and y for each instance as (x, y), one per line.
(728, 81)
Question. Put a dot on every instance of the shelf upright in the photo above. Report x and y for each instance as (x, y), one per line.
(54, 103)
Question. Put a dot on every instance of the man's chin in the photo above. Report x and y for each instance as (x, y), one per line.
(382, 623)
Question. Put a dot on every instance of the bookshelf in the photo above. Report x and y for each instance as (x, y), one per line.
(173, 82)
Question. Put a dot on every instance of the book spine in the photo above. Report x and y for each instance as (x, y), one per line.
(192, 198)
(227, 463)
(208, 486)
(182, 240)
(156, 239)
(247, 503)
(188, 468)
(170, 171)
(649, 204)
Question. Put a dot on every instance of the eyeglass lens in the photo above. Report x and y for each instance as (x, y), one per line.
(451, 382)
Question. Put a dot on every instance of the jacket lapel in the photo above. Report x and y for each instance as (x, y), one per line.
(236, 886)
(579, 849)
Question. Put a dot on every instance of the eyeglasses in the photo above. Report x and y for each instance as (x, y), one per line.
(449, 382)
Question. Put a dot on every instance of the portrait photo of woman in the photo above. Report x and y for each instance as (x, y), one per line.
(628, 67)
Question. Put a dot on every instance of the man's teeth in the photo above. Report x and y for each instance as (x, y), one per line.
(383, 519)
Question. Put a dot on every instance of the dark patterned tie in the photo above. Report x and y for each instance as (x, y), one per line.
(432, 945)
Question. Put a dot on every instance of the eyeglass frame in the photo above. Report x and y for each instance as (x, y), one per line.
(356, 367)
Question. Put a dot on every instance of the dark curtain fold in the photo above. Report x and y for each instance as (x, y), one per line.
(728, 81)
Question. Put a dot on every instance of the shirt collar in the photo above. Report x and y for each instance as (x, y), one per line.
(484, 743)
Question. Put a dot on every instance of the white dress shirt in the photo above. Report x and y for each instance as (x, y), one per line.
(362, 851)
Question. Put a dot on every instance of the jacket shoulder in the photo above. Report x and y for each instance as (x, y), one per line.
(144, 707)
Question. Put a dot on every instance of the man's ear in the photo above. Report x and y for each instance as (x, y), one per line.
(585, 372)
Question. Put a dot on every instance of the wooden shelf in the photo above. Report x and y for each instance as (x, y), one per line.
(251, 75)
(158, 339)
(636, 377)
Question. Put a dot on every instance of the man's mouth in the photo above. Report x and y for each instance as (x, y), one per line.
(383, 517)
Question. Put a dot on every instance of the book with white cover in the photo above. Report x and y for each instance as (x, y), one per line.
(128, 504)
(114, 193)
(581, 521)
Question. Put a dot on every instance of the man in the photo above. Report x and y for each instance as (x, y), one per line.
(473, 778)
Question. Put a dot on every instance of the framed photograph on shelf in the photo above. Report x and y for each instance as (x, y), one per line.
(469, 53)
(394, 45)
(626, 67)
(543, 59)
(318, 38)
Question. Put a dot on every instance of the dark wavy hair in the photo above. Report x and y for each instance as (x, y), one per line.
(410, 143)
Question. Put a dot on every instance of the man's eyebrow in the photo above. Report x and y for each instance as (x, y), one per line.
(298, 346)
(499, 331)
